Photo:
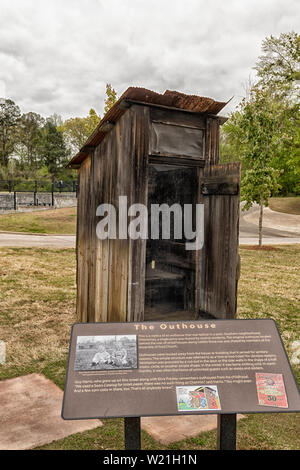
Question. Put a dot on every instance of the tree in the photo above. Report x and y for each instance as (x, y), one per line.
(111, 97)
(254, 128)
(77, 130)
(9, 119)
(56, 119)
(54, 154)
(29, 139)
(287, 157)
(278, 67)
(277, 70)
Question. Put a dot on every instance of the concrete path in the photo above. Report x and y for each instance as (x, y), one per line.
(68, 241)
(167, 429)
(30, 413)
(278, 228)
(36, 241)
(269, 240)
(274, 220)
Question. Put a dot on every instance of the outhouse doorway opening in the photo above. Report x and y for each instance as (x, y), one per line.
(170, 279)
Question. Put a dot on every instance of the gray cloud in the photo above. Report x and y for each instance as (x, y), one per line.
(58, 56)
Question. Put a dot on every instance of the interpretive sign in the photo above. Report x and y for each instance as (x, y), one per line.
(177, 368)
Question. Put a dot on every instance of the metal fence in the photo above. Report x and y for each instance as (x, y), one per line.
(15, 194)
(33, 186)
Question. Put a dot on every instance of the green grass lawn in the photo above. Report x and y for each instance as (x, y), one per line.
(53, 221)
(289, 205)
(37, 309)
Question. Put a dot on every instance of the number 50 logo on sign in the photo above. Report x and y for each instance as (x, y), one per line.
(271, 390)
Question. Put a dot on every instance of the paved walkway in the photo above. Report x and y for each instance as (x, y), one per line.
(278, 229)
(68, 241)
(167, 429)
(43, 241)
(31, 413)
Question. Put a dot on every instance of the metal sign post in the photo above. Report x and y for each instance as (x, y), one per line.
(132, 431)
(226, 439)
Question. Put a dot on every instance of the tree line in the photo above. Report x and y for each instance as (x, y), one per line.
(38, 148)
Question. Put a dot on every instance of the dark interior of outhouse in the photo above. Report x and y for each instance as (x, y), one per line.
(170, 267)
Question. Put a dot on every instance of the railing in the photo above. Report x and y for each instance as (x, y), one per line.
(15, 194)
(35, 186)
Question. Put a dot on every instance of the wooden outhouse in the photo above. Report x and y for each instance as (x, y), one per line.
(154, 149)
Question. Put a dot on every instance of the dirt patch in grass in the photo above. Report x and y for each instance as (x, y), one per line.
(54, 221)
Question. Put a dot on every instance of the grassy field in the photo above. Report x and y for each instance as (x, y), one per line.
(53, 221)
(37, 309)
(289, 205)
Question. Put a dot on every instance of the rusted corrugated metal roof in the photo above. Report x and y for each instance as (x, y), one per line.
(170, 99)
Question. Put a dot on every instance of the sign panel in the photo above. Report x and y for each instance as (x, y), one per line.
(177, 368)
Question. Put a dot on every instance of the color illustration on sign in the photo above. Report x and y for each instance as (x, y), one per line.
(202, 397)
(271, 390)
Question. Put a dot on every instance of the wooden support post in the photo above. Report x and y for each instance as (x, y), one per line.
(227, 431)
(15, 200)
(132, 430)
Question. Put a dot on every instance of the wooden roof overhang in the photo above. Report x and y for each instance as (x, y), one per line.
(171, 100)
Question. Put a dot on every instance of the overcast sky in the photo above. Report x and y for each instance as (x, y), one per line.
(57, 55)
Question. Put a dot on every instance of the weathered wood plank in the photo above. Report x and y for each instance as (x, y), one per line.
(224, 185)
(178, 160)
(212, 141)
(117, 305)
(138, 194)
(104, 197)
(82, 245)
(177, 117)
(99, 312)
(218, 283)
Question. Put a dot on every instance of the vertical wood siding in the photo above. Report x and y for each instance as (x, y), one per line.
(110, 273)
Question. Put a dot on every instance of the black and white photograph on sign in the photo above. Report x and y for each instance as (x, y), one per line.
(106, 352)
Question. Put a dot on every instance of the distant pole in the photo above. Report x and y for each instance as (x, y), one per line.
(35, 194)
(132, 430)
(15, 201)
(52, 194)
